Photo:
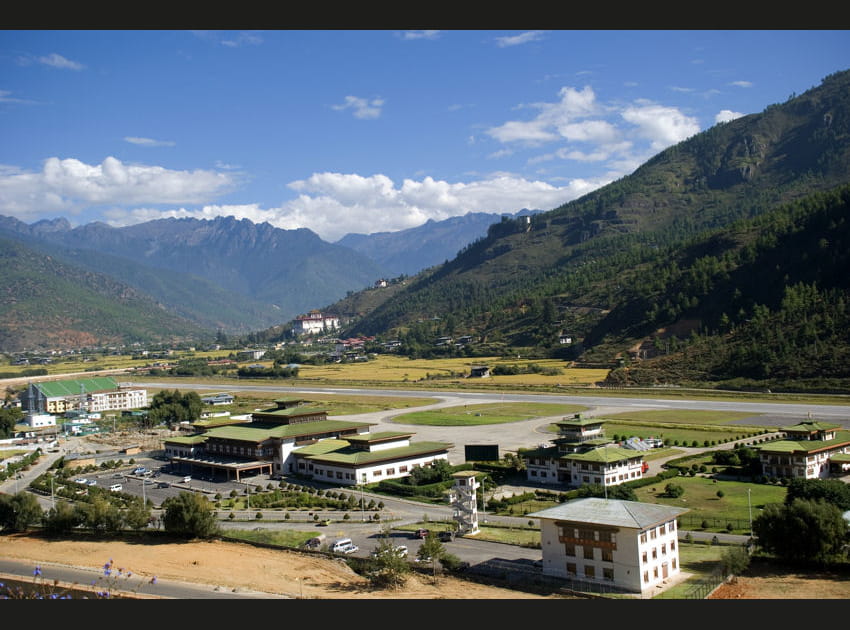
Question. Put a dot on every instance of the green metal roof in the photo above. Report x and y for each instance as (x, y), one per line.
(290, 411)
(258, 432)
(73, 387)
(604, 454)
(804, 446)
(381, 436)
(187, 439)
(357, 457)
(810, 427)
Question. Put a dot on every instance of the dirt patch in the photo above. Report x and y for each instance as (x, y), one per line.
(770, 581)
(229, 565)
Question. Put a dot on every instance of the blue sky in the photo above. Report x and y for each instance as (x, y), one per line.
(365, 130)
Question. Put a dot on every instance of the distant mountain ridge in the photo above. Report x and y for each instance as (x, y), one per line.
(407, 252)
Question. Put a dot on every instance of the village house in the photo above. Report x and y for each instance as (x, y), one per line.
(628, 545)
(314, 322)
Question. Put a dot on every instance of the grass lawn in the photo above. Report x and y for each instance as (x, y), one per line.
(282, 538)
(700, 497)
(698, 559)
(493, 413)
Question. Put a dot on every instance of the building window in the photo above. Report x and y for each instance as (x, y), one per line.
(646, 576)
(654, 553)
(653, 534)
(608, 573)
(402, 469)
(674, 563)
(662, 530)
(663, 549)
(533, 473)
(588, 553)
(377, 473)
(655, 573)
(339, 474)
(571, 568)
(672, 545)
(644, 558)
(643, 537)
(390, 471)
(589, 571)
(607, 555)
(570, 550)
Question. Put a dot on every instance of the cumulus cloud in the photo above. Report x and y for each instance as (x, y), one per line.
(590, 131)
(363, 108)
(725, 115)
(148, 142)
(522, 38)
(335, 204)
(69, 184)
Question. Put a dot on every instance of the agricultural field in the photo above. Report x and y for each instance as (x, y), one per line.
(398, 369)
(492, 413)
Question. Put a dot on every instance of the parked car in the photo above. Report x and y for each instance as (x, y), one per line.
(139, 470)
(446, 535)
(400, 550)
(91, 482)
(421, 532)
(82, 481)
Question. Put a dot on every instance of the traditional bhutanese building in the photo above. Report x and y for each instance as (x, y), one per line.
(810, 450)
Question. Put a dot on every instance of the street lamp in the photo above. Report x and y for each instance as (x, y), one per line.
(362, 505)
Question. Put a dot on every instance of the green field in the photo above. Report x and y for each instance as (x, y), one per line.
(492, 413)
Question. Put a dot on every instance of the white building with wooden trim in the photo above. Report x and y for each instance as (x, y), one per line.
(628, 545)
(811, 450)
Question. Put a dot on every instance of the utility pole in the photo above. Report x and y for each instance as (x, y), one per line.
(362, 505)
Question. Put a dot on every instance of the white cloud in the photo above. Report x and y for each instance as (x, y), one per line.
(744, 84)
(70, 184)
(725, 115)
(334, 204)
(590, 131)
(420, 34)
(363, 108)
(58, 61)
(522, 38)
(148, 142)
(662, 126)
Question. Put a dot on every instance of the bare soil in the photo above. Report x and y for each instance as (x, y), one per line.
(228, 565)
(769, 581)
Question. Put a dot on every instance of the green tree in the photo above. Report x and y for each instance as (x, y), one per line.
(63, 518)
(431, 550)
(190, 515)
(817, 528)
(673, 490)
(734, 560)
(137, 515)
(102, 516)
(9, 417)
(391, 569)
(19, 512)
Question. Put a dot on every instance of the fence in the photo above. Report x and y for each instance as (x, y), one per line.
(714, 523)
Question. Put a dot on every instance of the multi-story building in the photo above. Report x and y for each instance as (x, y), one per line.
(581, 454)
(314, 322)
(88, 394)
(298, 438)
(628, 545)
(811, 450)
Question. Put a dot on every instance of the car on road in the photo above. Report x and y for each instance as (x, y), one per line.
(344, 545)
(399, 550)
(323, 523)
(82, 481)
(139, 470)
(446, 535)
(163, 484)
(421, 533)
(91, 482)
(118, 475)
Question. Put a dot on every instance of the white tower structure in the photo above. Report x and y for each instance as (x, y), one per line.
(464, 499)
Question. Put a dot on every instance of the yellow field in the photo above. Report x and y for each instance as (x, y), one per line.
(396, 369)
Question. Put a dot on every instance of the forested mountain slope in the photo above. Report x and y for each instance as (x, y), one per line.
(584, 268)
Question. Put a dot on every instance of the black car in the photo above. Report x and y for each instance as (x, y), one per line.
(446, 536)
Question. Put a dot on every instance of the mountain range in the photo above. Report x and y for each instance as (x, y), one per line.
(223, 274)
(721, 259)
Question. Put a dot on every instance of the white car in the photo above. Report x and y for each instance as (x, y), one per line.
(82, 481)
(399, 550)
